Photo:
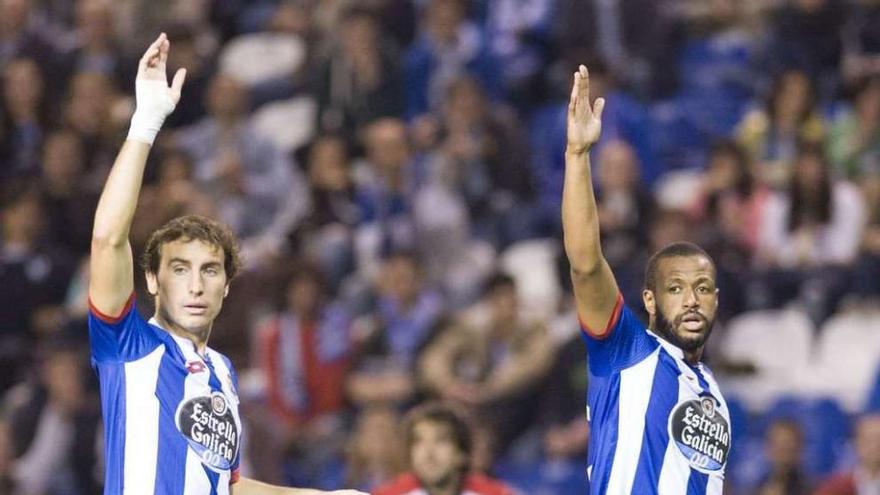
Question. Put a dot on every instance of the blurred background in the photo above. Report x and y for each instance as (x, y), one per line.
(394, 170)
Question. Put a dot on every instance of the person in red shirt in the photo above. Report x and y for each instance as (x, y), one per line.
(864, 478)
(305, 350)
(439, 445)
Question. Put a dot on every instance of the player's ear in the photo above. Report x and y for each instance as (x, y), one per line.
(225, 291)
(152, 283)
(650, 302)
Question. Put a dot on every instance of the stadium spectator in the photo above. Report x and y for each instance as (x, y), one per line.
(810, 235)
(448, 45)
(492, 368)
(94, 45)
(565, 431)
(439, 449)
(390, 339)
(625, 207)
(67, 197)
(854, 139)
(783, 447)
(806, 35)
(861, 43)
(360, 79)
(305, 350)
(23, 36)
(326, 234)
(385, 185)
(731, 201)
(173, 194)
(867, 272)
(771, 134)
(864, 478)
(55, 425)
(25, 116)
(484, 149)
(33, 274)
(259, 193)
(374, 453)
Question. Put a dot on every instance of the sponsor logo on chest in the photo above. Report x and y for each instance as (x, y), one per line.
(701, 433)
(209, 426)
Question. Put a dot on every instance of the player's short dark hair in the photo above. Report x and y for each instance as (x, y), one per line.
(676, 249)
(193, 228)
(438, 412)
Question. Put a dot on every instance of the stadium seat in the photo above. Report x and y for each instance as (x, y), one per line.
(256, 58)
(273, 121)
(778, 343)
(846, 357)
(533, 264)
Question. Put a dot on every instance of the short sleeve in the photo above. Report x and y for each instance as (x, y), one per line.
(627, 342)
(121, 338)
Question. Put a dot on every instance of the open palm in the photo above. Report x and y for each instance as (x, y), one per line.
(152, 67)
(584, 122)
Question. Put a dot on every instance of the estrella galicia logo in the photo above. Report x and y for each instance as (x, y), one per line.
(210, 428)
(701, 433)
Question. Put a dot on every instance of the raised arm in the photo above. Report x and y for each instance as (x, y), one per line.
(595, 289)
(111, 279)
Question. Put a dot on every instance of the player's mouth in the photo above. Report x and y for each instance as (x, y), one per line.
(693, 322)
(196, 308)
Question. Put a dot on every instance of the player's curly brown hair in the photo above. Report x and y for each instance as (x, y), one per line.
(193, 228)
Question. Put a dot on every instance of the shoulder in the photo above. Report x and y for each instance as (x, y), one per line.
(403, 484)
(484, 485)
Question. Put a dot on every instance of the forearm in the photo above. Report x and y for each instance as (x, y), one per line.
(119, 198)
(580, 219)
(527, 369)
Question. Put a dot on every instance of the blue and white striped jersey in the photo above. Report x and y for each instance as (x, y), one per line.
(170, 415)
(657, 424)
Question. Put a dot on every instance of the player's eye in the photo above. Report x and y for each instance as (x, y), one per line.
(703, 289)
(178, 270)
(675, 289)
(212, 271)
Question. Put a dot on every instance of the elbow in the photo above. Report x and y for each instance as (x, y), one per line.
(102, 241)
(585, 268)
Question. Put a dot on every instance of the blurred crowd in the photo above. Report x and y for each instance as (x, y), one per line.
(394, 168)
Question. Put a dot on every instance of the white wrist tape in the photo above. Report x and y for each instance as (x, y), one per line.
(153, 104)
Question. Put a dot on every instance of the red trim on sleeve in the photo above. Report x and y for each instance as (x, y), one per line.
(233, 477)
(112, 319)
(612, 322)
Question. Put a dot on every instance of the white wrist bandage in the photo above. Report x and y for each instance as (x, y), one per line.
(154, 103)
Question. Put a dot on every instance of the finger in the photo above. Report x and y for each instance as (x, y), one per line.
(572, 102)
(177, 84)
(585, 82)
(163, 50)
(598, 107)
(152, 50)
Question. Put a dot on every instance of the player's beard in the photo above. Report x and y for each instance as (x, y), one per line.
(666, 329)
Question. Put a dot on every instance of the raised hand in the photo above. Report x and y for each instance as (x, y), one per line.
(584, 122)
(155, 99)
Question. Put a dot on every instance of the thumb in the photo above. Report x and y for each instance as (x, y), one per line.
(598, 107)
(177, 84)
